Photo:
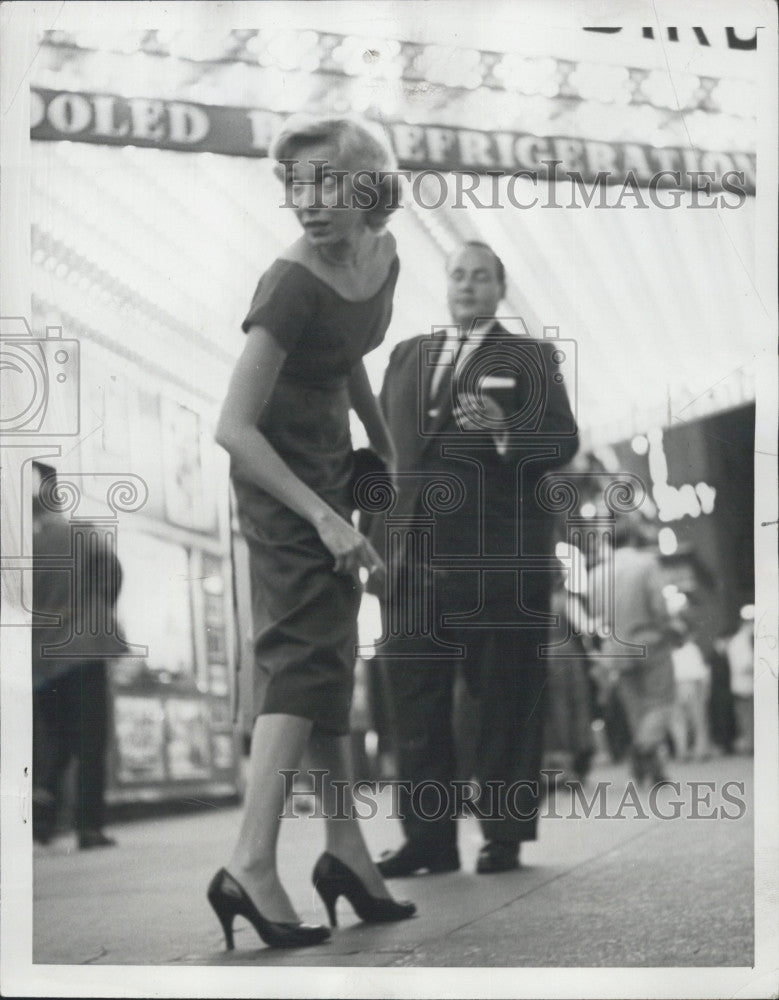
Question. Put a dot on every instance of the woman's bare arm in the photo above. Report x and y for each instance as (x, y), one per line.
(250, 389)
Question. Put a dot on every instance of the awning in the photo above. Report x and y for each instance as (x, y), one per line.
(155, 254)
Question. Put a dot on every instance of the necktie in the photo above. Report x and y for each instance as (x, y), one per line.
(442, 391)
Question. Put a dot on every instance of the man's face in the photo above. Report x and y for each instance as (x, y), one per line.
(473, 288)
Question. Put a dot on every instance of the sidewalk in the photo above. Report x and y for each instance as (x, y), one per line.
(593, 892)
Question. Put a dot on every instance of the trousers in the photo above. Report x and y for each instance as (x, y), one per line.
(506, 681)
(70, 719)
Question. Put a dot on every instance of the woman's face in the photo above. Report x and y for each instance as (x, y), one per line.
(321, 196)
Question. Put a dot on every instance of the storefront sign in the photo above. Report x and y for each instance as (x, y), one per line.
(719, 37)
(107, 119)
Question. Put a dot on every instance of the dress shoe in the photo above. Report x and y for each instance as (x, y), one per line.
(498, 856)
(229, 900)
(332, 878)
(94, 838)
(412, 858)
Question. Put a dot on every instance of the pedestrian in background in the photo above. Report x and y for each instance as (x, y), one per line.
(626, 597)
(740, 651)
(693, 683)
(70, 692)
(568, 739)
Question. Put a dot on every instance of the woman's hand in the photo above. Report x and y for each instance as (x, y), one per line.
(350, 550)
(389, 456)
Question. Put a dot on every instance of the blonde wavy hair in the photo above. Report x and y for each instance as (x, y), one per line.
(358, 145)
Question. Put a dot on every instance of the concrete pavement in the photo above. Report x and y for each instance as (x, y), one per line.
(614, 890)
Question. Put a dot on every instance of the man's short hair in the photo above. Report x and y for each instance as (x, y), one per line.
(500, 268)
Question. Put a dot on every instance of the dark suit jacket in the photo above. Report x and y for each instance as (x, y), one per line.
(73, 602)
(499, 513)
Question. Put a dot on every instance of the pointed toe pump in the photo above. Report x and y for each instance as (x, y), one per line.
(229, 900)
(332, 878)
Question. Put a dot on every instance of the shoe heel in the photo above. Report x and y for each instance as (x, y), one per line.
(329, 895)
(332, 878)
(228, 900)
(226, 918)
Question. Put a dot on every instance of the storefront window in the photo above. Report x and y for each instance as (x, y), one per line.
(189, 493)
(155, 605)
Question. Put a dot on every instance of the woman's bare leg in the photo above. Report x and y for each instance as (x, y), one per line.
(278, 742)
(343, 832)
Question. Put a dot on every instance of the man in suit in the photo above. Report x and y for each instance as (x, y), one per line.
(481, 410)
(70, 691)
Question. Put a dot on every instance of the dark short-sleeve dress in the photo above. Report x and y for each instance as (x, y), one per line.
(304, 614)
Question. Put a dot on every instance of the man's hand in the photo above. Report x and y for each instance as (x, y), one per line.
(483, 417)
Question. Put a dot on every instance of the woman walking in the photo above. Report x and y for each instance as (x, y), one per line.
(323, 304)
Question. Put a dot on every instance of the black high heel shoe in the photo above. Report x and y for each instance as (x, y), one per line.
(332, 878)
(229, 901)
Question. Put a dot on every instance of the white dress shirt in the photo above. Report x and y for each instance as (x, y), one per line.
(454, 339)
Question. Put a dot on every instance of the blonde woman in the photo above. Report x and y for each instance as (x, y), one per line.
(323, 304)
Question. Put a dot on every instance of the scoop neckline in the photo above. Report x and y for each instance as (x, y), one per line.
(354, 302)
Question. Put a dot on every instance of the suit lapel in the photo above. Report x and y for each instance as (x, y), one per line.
(413, 402)
(430, 371)
(444, 414)
(426, 402)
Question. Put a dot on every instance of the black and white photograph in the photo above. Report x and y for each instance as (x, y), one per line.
(421, 353)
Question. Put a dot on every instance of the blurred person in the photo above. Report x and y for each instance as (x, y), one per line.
(634, 611)
(380, 748)
(608, 705)
(70, 693)
(568, 740)
(501, 666)
(324, 303)
(691, 714)
(384, 756)
(607, 708)
(722, 723)
(740, 652)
